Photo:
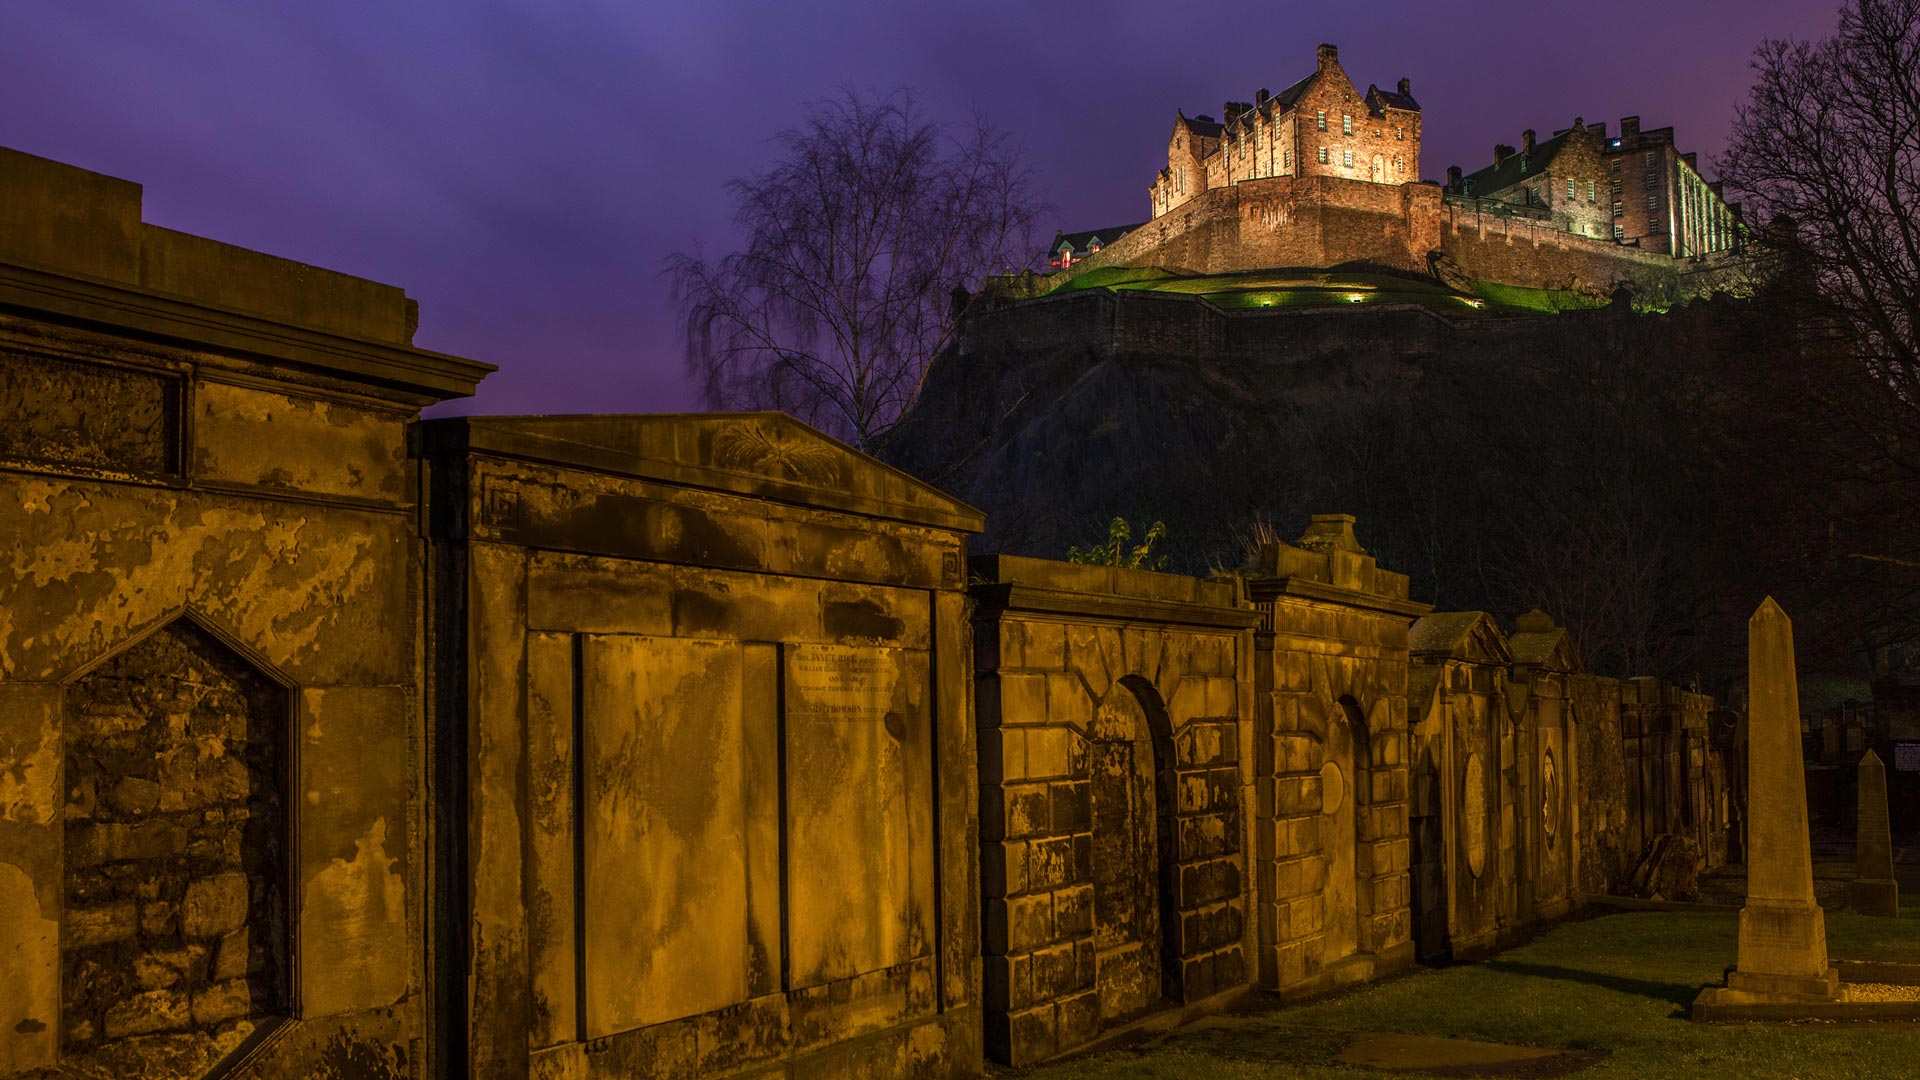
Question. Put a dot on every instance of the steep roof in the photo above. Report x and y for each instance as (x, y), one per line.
(1394, 99)
(1502, 175)
(1205, 129)
(1458, 635)
(1081, 240)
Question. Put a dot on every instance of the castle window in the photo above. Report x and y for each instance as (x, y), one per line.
(1614, 164)
(1346, 124)
(1569, 187)
(1286, 159)
(1400, 133)
(1653, 201)
(1619, 231)
(1347, 158)
(1619, 209)
(1320, 121)
(1616, 185)
(1589, 191)
(1323, 155)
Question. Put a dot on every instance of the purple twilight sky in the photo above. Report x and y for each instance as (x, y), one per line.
(522, 169)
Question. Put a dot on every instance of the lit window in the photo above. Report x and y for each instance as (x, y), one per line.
(1347, 158)
(1569, 187)
(1619, 231)
(1616, 185)
(1320, 121)
(1286, 159)
(1346, 124)
(1614, 164)
(1653, 201)
(1589, 191)
(1619, 209)
(1323, 155)
(1400, 133)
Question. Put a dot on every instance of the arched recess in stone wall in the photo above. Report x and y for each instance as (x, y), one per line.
(177, 927)
(1135, 851)
(1345, 787)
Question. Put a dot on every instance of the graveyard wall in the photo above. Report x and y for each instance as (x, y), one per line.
(1114, 714)
(210, 648)
(707, 709)
(1331, 844)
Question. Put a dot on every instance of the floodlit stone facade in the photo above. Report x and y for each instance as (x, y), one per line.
(1115, 716)
(212, 800)
(705, 709)
(1322, 174)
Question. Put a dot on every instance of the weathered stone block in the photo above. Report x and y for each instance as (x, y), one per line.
(1067, 701)
(1073, 911)
(1022, 696)
(1072, 807)
(144, 1013)
(222, 1001)
(1079, 1020)
(1029, 810)
(1046, 646)
(1029, 921)
(214, 906)
(1049, 752)
(97, 925)
(1053, 971)
(1050, 862)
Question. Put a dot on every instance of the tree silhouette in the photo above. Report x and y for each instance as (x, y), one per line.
(860, 244)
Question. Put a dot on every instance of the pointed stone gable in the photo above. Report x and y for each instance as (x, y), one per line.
(766, 455)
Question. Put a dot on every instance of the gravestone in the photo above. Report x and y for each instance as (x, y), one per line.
(1874, 890)
(1783, 935)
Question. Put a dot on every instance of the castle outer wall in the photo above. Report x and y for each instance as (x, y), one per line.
(1323, 221)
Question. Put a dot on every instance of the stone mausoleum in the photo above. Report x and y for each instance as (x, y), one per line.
(334, 743)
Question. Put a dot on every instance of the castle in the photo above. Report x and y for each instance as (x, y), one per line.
(1322, 174)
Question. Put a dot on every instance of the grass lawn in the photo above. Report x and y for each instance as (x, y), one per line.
(1619, 983)
(1308, 288)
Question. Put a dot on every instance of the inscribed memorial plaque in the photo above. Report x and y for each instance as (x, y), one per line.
(859, 828)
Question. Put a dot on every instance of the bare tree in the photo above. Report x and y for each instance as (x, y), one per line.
(856, 242)
(1826, 152)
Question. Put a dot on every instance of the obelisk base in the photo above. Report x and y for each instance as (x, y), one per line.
(1783, 953)
(1872, 897)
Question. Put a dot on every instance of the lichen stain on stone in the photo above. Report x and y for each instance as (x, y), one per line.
(29, 992)
(860, 620)
(29, 793)
(361, 904)
(116, 564)
(348, 1056)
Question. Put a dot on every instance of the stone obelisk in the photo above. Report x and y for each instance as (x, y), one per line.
(1783, 933)
(1874, 890)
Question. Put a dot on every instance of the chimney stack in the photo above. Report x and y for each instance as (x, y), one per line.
(1526, 142)
(1579, 123)
(1328, 54)
(1501, 152)
(1260, 96)
(1406, 87)
(1453, 177)
(1629, 127)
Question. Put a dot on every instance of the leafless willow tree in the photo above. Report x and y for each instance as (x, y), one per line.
(1826, 156)
(855, 242)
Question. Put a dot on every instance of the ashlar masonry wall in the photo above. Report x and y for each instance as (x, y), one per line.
(1115, 788)
(1332, 849)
